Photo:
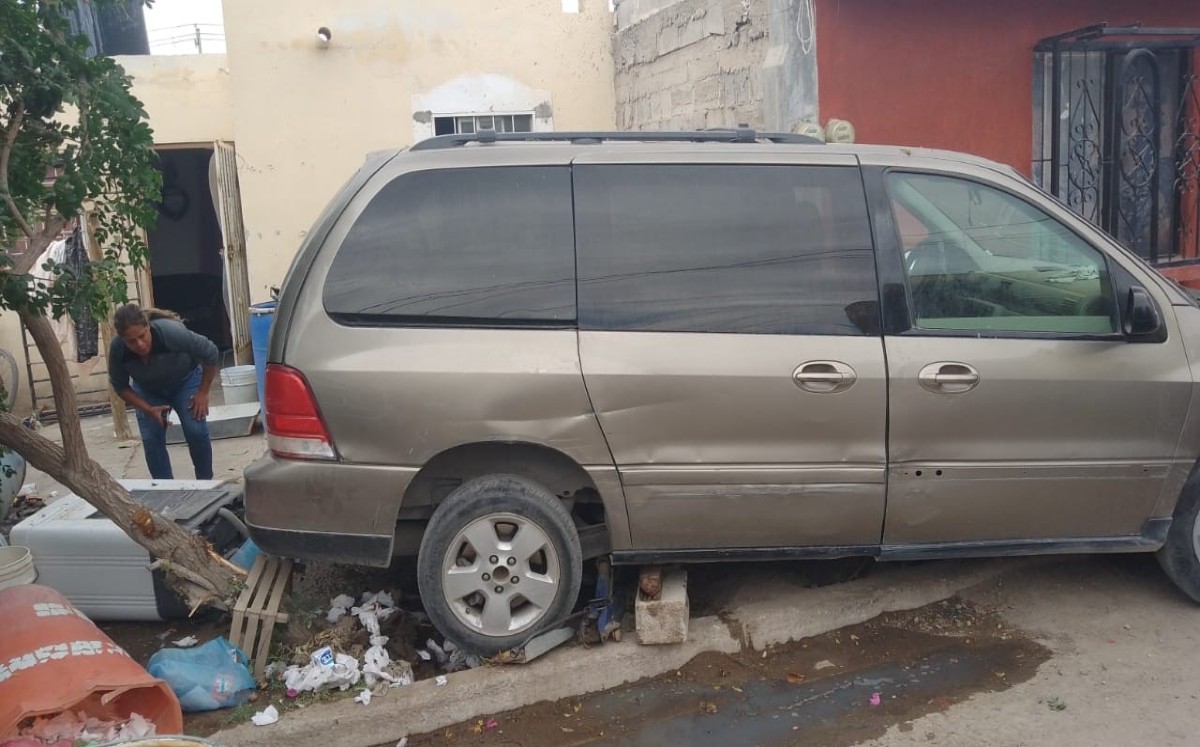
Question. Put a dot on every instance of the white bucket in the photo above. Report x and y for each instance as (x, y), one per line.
(16, 567)
(240, 384)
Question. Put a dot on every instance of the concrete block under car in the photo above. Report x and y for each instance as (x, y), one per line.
(664, 620)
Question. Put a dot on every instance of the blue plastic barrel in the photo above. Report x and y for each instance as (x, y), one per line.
(262, 316)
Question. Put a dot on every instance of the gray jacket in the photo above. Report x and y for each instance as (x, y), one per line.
(175, 352)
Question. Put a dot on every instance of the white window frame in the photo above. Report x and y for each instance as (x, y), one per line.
(476, 116)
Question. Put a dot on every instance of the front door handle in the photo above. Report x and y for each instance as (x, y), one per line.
(824, 377)
(948, 378)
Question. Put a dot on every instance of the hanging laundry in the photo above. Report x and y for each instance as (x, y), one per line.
(87, 330)
(64, 327)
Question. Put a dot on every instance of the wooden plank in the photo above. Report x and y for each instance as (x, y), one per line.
(237, 633)
(270, 614)
(120, 417)
(223, 176)
(258, 599)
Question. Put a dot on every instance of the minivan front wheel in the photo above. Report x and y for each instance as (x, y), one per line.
(1180, 556)
(499, 560)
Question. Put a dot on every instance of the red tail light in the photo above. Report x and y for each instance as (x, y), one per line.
(295, 428)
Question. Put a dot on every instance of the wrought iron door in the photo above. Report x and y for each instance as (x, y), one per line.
(1117, 133)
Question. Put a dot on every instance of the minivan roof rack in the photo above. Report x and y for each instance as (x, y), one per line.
(740, 134)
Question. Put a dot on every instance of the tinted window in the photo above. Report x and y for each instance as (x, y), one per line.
(476, 245)
(979, 258)
(741, 249)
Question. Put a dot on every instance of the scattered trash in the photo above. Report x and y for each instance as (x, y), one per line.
(27, 489)
(186, 642)
(441, 680)
(266, 716)
(379, 667)
(708, 707)
(795, 679)
(342, 672)
(375, 607)
(403, 742)
(339, 606)
(75, 727)
(323, 657)
(437, 651)
(491, 724)
(363, 697)
(207, 677)
(273, 670)
(824, 664)
(1056, 704)
(876, 699)
(425, 655)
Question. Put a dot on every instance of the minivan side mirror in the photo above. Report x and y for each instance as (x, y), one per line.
(1141, 315)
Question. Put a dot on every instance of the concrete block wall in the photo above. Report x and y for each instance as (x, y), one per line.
(690, 64)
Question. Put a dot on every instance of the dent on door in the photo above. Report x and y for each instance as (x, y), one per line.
(1034, 439)
(719, 445)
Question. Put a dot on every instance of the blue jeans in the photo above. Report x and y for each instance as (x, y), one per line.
(154, 435)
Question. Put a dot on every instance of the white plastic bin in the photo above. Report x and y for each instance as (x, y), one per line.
(240, 384)
(16, 567)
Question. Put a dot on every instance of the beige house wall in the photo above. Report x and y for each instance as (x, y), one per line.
(188, 98)
(304, 117)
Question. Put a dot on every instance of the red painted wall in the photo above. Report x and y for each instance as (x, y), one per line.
(954, 74)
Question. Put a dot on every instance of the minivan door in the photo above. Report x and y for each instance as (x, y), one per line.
(729, 340)
(1021, 415)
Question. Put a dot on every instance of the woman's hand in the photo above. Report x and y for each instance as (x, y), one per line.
(158, 413)
(200, 405)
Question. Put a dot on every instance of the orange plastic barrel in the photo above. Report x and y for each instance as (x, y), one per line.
(54, 659)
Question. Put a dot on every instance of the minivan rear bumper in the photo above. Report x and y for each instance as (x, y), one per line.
(331, 511)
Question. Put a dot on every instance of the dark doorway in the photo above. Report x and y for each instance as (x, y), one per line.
(185, 246)
(1117, 133)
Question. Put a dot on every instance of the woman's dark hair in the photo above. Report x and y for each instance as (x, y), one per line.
(132, 315)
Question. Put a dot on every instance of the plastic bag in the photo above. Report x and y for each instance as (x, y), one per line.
(206, 677)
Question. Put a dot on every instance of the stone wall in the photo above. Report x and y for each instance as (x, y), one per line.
(694, 64)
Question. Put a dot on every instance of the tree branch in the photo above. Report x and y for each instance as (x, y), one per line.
(64, 389)
(37, 245)
(10, 138)
(41, 452)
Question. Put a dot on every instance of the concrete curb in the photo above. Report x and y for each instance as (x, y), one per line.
(784, 615)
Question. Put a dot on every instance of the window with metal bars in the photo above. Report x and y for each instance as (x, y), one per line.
(468, 124)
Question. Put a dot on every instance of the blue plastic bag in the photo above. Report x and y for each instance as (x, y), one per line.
(205, 678)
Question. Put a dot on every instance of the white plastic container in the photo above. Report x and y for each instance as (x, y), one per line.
(16, 567)
(92, 562)
(240, 384)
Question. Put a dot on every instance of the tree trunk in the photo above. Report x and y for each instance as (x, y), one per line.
(198, 573)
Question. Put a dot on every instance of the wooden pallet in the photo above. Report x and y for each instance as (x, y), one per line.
(257, 609)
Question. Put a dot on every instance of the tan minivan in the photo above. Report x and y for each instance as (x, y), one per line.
(508, 353)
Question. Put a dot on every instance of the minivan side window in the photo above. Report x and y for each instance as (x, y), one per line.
(980, 259)
(481, 245)
(724, 248)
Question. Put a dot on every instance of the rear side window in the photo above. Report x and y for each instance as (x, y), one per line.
(488, 245)
(735, 249)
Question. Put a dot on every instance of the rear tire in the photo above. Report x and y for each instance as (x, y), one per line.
(500, 559)
(1180, 556)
